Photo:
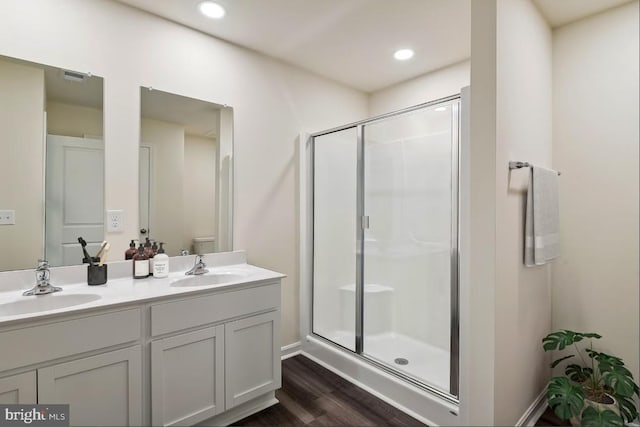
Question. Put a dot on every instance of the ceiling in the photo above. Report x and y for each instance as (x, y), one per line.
(561, 12)
(352, 41)
(198, 117)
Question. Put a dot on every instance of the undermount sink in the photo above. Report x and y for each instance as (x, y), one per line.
(209, 279)
(33, 304)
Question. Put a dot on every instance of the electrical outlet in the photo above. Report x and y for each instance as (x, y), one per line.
(7, 217)
(115, 220)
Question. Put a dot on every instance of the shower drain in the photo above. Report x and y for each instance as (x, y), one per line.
(401, 361)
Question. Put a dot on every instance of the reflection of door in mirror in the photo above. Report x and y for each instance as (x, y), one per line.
(185, 198)
(144, 188)
(74, 197)
(41, 102)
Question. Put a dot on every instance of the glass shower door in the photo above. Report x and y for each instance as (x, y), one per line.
(385, 242)
(335, 236)
(409, 273)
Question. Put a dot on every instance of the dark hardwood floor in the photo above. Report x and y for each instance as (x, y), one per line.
(314, 396)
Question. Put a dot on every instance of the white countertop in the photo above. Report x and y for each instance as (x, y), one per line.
(126, 290)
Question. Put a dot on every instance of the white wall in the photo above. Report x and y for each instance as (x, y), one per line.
(272, 103)
(502, 365)
(428, 87)
(478, 270)
(73, 120)
(21, 164)
(523, 295)
(166, 216)
(199, 188)
(595, 132)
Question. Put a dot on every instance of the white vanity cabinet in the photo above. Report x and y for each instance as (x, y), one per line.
(101, 390)
(229, 356)
(187, 377)
(19, 388)
(252, 357)
(178, 358)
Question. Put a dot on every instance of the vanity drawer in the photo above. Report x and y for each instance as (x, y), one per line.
(34, 344)
(178, 315)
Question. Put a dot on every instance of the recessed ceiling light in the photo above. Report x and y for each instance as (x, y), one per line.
(211, 9)
(403, 54)
(440, 109)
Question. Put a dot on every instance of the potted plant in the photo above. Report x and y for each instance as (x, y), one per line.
(597, 392)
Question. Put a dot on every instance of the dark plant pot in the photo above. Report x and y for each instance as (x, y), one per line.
(577, 421)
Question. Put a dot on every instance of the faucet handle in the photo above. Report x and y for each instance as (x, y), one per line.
(43, 264)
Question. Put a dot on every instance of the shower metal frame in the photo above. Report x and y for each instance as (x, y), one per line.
(361, 223)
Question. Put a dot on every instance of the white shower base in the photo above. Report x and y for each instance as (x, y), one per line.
(425, 406)
(427, 363)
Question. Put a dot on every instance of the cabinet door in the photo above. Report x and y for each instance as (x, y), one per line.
(101, 390)
(252, 357)
(19, 388)
(187, 377)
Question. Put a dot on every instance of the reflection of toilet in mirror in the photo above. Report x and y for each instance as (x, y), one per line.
(204, 245)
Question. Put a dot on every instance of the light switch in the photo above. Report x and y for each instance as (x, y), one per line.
(7, 217)
(115, 220)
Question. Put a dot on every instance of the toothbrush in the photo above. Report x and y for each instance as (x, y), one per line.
(103, 258)
(83, 243)
(104, 243)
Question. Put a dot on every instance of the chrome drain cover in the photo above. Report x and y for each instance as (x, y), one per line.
(401, 361)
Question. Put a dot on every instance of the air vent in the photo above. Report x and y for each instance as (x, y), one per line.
(73, 76)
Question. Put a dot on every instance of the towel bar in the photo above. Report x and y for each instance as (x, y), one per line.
(519, 165)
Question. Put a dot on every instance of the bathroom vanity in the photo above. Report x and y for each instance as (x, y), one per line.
(173, 351)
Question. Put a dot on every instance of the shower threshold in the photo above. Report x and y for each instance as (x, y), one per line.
(426, 363)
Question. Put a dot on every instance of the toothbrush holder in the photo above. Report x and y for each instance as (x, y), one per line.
(96, 274)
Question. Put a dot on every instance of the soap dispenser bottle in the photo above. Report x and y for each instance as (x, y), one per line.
(148, 251)
(140, 264)
(161, 264)
(129, 253)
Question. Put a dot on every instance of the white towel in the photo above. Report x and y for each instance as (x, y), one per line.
(542, 222)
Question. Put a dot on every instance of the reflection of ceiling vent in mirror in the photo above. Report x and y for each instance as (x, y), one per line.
(73, 76)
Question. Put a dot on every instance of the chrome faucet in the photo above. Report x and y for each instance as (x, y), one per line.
(42, 286)
(199, 267)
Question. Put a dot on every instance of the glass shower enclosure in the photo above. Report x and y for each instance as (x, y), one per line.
(385, 242)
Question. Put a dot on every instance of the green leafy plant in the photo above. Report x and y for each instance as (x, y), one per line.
(599, 375)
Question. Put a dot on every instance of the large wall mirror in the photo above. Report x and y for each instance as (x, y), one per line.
(186, 169)
(51, 164)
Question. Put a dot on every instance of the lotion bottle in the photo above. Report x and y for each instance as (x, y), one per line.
(148, 251)
(140, 264)
(161, 264)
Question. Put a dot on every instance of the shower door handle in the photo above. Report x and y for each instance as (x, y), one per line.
(365, 222)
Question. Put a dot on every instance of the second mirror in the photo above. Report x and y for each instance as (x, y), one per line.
(185, 175)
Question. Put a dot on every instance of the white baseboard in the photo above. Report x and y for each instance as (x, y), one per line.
(534, 411)
(291, 350)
